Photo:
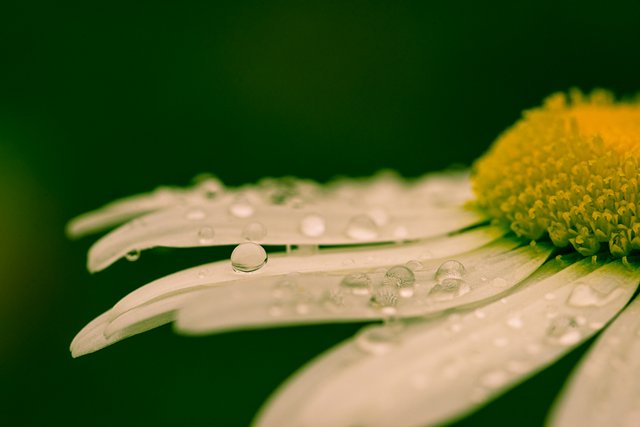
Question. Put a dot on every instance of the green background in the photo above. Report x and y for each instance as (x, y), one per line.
(100, 100)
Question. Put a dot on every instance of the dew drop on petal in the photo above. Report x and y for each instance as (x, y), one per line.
(333, 299)
(414, 265)
(254, 231)
(205, 235)
(362, 227)
(357, 283)
(401, 277)
(563, 330)
(449, 289)
(247, 257)
(451, 269)
(133, 255)
(385, 298)
(241, 208)
(585, 296)
(312, 225)
(209, 186)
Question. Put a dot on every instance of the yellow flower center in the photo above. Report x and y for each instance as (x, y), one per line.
(568, 169)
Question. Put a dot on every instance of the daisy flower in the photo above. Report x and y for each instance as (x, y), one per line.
(472, 281)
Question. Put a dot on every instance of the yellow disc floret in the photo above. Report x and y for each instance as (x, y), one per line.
(568, 169)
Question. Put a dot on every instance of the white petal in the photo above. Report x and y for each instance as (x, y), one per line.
(163, 296)
(215, 225)
(123, 210)
(605, 389)
(433, 371)
(317, 298)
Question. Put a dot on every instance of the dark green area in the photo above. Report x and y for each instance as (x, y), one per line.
(100, 100)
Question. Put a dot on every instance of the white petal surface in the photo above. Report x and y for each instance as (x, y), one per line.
(213, 224)
(284, 211)
(605, 389)
(317, 298)
(433, 371)
(163, 296)
(123, 210)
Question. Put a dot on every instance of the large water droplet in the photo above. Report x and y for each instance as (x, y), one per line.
(451, 269)
(585, 296)
(254, 231)
(133, 255)
(449, 289)
(247, 257)
(357, 283)
(205, 235)
(401, 277)
(563, 330)
(312, 225)
(241, 208)
(385, 297)
(362, 227)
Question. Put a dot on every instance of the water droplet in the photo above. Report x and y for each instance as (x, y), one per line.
(515, 322)
(414, 265)
(254, 231)
(377, 339)
(241, 208)
(247, 257)
(357, 283)
(401, 277)
(312, 225)
(362, 227)
(449, 289)
(202, 274)
(333, 299)
(563, 330)
(195, 215)
(208, 186)
(385, 297)
(205, 235)
(494, 379)
(480, 314)
(285, 289)
(550, 296)
(585, 296)
(451, 269)
(133, 255)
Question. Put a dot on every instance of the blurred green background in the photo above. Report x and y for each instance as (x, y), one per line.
(100, 100)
